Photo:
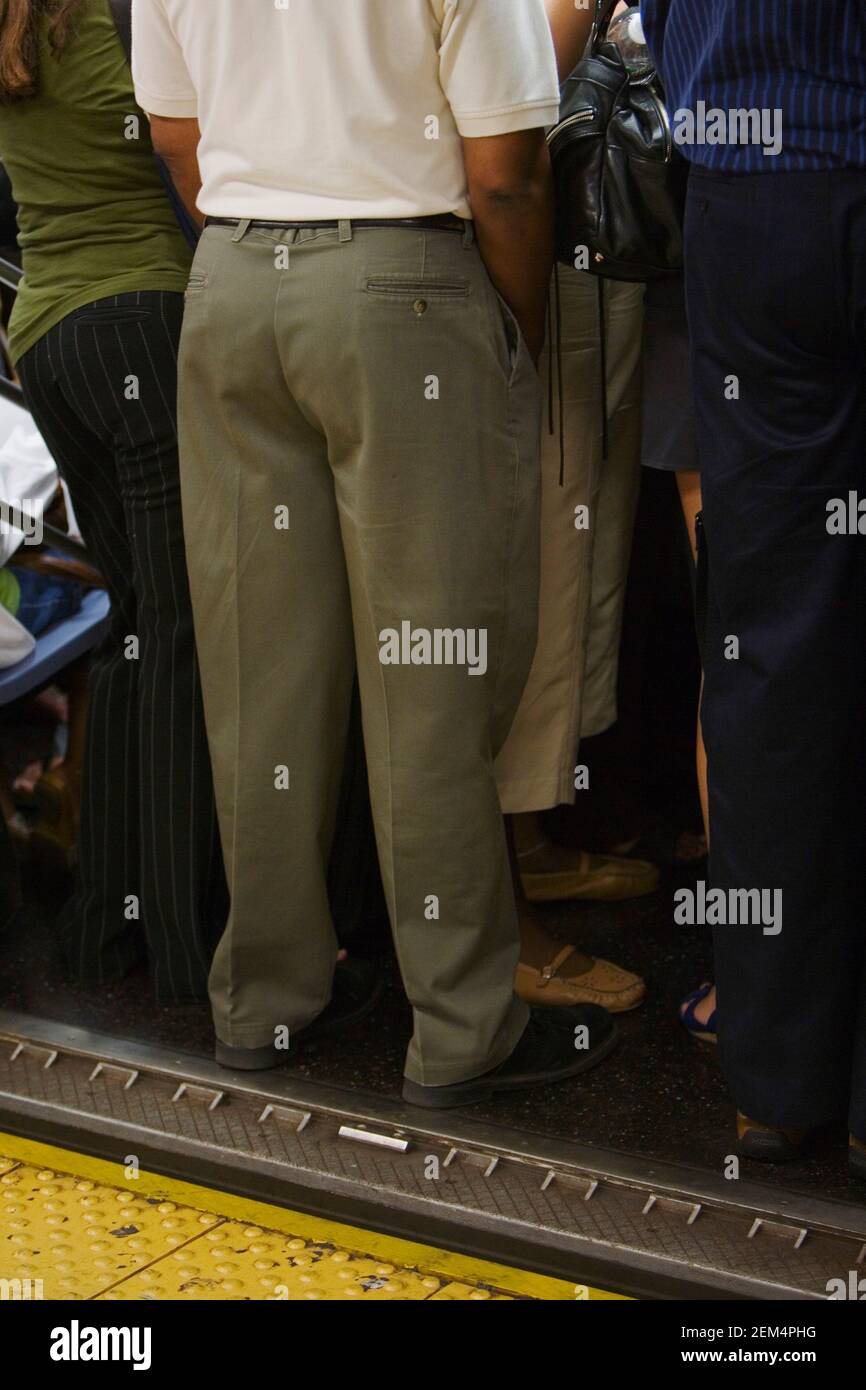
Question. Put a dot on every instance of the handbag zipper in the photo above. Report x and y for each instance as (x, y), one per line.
(588, 113)
(580, 117)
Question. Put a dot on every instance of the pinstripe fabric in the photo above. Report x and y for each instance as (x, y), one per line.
(805, 57)
(148, 825)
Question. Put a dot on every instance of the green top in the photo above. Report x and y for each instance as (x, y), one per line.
(94, 217)
(10, 591)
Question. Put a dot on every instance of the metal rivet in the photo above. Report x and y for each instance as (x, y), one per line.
(420, 306)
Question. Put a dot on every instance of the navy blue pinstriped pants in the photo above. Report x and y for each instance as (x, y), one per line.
(102, 389)
(776, 280)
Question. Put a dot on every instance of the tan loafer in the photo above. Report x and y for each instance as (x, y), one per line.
(592, 877)
(615, 989)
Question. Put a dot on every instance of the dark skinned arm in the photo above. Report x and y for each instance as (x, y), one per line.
(177, 140)
(511, 194)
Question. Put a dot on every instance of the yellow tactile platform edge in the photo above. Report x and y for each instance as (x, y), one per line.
(74, 1227)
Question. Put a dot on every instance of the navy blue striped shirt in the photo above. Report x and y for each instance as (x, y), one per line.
(792, 71)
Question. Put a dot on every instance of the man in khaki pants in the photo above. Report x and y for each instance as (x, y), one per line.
(359, 432)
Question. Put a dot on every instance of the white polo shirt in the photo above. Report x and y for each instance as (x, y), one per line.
(342, 108)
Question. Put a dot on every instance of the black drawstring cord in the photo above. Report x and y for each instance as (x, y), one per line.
(549, 361)
(559, 376)
(602, 338)
(554, 349)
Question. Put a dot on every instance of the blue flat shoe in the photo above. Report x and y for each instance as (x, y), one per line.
(704, 1032)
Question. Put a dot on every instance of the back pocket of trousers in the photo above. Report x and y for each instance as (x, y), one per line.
(113, 313)
(418, 291)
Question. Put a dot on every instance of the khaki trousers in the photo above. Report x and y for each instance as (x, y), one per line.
(571, 692)
(359, 429)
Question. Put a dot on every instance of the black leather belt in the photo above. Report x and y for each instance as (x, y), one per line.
(443, 222)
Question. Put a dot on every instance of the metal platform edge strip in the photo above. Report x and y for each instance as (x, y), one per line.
(391, 1127)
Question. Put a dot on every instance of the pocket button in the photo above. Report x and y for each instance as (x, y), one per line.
(420, 306)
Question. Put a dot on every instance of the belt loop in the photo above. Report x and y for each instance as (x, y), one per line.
(345, 229)
(243, 228)
(468, 233)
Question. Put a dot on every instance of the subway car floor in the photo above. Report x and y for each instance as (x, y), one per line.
(660, 1096)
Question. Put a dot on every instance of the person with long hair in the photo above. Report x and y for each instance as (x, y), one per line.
(94, 337)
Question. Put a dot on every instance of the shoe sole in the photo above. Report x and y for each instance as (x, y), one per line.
(556, 888)
(768, 1148)
(267, 1059)
(614, 1004)
(251, 1058)
(474, 1092)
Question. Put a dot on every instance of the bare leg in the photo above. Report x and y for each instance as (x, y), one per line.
(537, 946)
(689, 484)
(553, 973)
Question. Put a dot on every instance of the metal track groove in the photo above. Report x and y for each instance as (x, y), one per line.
(642, 1228)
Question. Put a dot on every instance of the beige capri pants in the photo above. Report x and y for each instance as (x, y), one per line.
(571, 691)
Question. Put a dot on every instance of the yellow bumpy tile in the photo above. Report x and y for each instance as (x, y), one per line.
(469, 1293)
(98, 1236)
(235, 1261)
(79, 1237)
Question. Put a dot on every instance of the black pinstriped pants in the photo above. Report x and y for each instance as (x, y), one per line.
(102, 389)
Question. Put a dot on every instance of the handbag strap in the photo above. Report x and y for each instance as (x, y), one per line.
(121, 11)
(603, 14)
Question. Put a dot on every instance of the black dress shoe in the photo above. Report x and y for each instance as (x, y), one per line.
(357, 989)
(546, 1052)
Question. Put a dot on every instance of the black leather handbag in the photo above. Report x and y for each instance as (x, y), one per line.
(620, 181)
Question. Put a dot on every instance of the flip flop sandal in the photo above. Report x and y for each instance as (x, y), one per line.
(703, 1032)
